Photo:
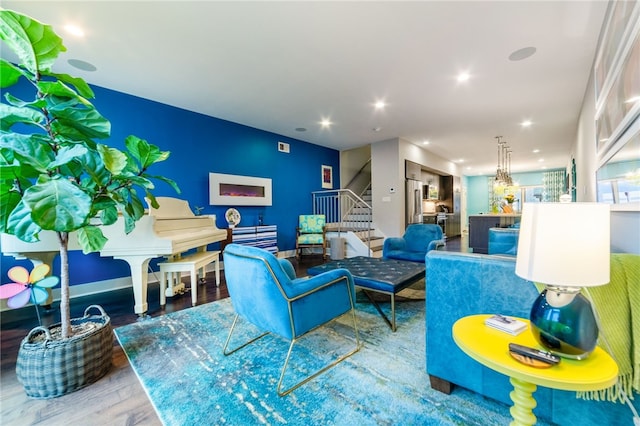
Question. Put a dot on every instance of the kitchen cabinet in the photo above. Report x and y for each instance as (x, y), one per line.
(429, 218)
(453, 225)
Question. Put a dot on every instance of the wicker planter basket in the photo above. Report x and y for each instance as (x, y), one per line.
(49, 367)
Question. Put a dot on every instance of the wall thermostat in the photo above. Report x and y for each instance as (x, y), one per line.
(283, 147)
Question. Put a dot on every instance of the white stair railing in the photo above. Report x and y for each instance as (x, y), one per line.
(344, 211)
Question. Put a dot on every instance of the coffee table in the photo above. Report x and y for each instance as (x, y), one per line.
(386, 276)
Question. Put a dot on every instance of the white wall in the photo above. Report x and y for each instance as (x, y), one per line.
(584, 148)
(351, 161)
(387, 180)
(422, 156)
(387, 184)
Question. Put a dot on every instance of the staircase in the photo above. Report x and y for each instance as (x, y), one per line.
(349, 217)
(373, 240)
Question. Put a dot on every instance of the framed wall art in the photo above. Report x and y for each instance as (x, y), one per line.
(327, 177)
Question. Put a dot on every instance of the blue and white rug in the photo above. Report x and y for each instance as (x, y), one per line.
(178, 359)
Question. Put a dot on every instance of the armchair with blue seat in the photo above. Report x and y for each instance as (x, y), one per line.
(265, 292)
(418, 239)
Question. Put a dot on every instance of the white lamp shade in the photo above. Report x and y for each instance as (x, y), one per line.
(564, 244)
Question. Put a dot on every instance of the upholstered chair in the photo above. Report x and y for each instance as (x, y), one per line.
(265, 292)
(503, 241)
(311, 233)
(417, 240)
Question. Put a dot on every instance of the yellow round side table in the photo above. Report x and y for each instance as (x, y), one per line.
(490, 347)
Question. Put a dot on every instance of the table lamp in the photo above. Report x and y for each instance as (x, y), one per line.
(564, 246)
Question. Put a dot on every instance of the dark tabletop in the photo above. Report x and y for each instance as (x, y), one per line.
(388, 275)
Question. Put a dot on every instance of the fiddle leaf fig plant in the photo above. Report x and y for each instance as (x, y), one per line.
(54, 176)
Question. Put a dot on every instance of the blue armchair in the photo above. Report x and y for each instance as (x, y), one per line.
(265, 292)
(503, 241)
(418, 239)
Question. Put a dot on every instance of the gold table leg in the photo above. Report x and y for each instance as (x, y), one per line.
(523, 403)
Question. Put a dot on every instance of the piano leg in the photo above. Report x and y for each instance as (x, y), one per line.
(139, 265)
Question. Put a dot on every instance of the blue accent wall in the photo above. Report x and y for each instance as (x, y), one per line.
(200, 144)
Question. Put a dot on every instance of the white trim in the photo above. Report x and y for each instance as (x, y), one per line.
(98, 287)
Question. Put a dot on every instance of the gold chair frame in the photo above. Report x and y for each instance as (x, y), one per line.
(295, 339)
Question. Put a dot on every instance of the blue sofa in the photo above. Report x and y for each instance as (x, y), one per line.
(461, 284)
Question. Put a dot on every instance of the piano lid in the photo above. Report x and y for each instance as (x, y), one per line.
(171, 227)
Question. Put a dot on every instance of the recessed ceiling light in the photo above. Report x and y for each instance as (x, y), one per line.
(74, 30)
(526, 123)
(380, 104)
(523, 53)
(325, 122)
(377, 129)
(535, 151)
(425, 143)
(463, 76)
(461, 160)
(540, 160)
(469, 167)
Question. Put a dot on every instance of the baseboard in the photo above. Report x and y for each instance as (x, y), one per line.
(286, 254)
(98, 287)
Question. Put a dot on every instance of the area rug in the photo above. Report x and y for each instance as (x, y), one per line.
(178, 359)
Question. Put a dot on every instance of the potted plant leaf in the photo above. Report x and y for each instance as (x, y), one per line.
(56, 177)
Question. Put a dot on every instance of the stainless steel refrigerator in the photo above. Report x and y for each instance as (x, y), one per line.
(413, 204)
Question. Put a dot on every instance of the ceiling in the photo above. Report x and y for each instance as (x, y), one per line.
(282, 66)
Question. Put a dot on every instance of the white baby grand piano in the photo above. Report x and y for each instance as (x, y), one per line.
(168, 231)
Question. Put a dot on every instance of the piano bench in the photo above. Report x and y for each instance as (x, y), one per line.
(192, 263)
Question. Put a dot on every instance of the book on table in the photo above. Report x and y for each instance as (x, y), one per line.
(506, 324)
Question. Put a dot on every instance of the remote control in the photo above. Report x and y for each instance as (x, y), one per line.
(537, 354)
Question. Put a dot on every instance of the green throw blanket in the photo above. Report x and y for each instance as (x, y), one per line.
(617, 306)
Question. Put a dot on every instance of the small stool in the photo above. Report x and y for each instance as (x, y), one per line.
(192, 263)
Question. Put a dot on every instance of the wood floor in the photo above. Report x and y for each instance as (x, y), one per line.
(118, 398)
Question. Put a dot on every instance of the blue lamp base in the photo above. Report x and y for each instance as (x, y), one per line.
(563, 322)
